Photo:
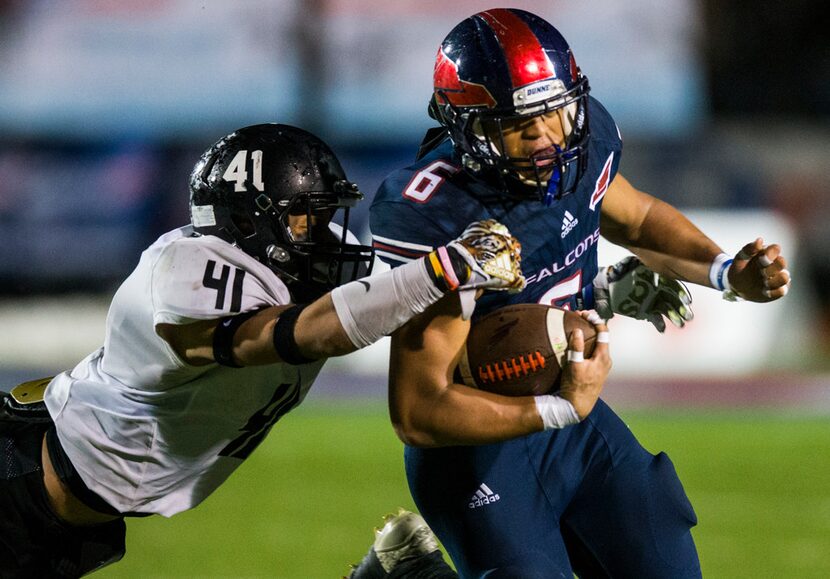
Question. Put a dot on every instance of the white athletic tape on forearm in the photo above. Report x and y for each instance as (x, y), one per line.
(603, 338)
(376, 306)
(719, 272)
(556, 412)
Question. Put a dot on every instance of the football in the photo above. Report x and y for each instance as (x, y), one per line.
(519, 350)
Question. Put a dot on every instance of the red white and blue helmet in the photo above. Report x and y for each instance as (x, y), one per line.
(502, 64)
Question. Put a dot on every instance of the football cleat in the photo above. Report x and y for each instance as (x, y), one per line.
(404, 536)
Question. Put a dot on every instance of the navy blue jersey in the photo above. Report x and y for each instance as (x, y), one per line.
(585, 499)
(430, 202)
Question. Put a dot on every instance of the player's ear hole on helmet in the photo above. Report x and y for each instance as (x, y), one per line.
(243, 223)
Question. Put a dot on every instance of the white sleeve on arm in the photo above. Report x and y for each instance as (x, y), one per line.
(376, 306)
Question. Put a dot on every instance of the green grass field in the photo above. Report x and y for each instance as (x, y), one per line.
(304, 504)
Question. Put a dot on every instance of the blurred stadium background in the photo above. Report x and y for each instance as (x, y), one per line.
(725, 112)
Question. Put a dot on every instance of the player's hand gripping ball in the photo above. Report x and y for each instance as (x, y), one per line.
(520, 350)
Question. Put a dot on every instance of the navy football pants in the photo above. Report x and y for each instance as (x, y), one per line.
(587, 499)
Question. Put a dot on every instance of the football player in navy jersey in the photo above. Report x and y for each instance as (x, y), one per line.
(522, 141)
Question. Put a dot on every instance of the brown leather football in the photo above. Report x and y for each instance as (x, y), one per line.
(519, 350)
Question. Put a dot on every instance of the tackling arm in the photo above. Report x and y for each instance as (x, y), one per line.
(358, 313)
(318, 333)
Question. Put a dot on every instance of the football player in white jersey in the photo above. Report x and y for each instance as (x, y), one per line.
(218, 332)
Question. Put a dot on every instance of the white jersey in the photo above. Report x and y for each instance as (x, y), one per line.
(145, 430)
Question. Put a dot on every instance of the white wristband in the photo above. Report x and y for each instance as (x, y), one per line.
(719, 272)
(556, 412)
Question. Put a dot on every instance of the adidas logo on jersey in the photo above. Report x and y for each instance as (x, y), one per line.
(483, 496)
(568, 223)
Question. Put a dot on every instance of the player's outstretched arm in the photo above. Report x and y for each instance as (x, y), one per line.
(668, 243)
(428, 408)
(358, 313)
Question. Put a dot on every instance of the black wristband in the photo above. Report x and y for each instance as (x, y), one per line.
(284, 342)
(223, 337)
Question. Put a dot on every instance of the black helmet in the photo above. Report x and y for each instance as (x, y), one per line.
(256, 184)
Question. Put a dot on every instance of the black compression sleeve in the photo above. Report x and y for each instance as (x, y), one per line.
(284, 342)
(223, 337)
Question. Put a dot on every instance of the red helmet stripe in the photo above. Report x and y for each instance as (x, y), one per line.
(526, 59)
(461, 93)
(574, 68)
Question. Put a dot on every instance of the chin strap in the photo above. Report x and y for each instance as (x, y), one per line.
(553, 192)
